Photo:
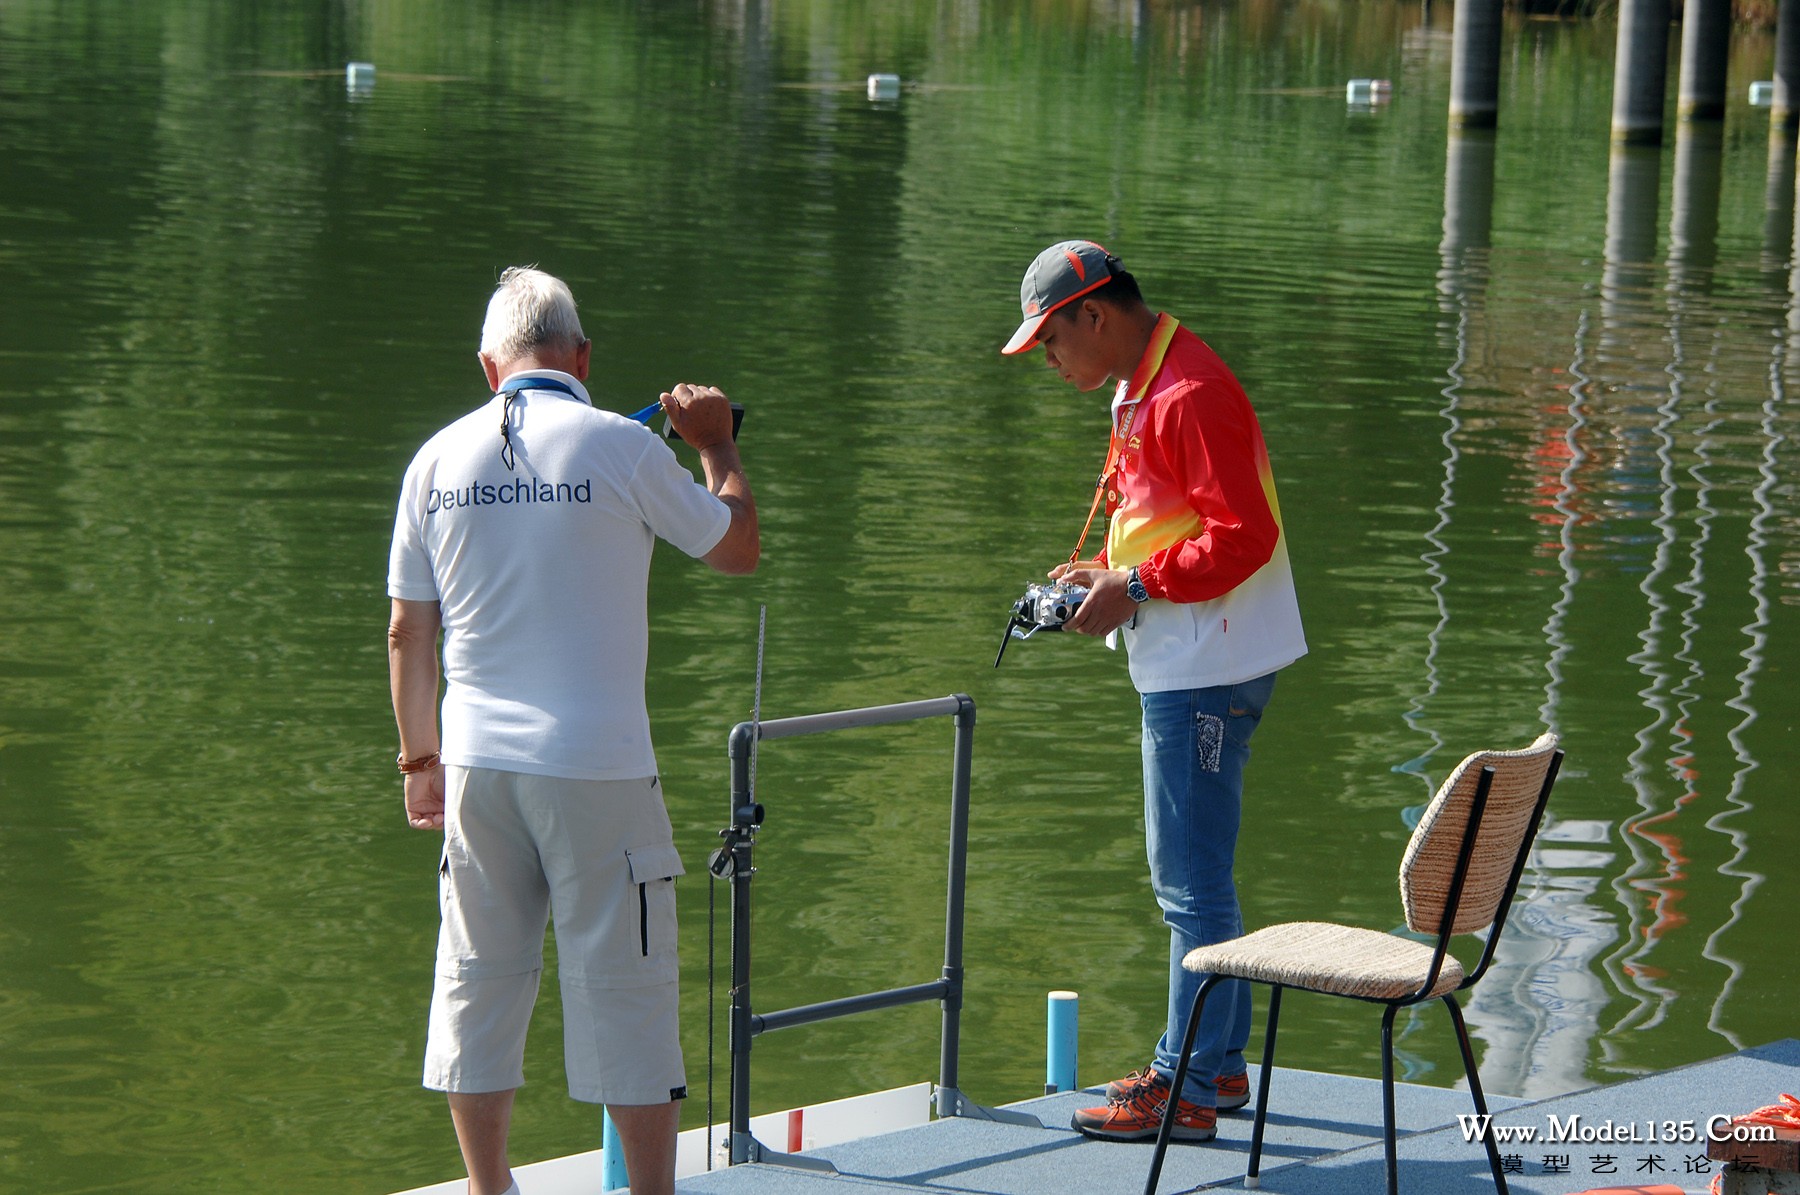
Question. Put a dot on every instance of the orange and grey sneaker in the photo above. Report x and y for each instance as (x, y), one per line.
(1138, 1115)
(1233, 1090)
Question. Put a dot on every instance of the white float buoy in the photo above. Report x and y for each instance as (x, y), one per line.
(884, 87)
(1367, 91)
(359, 77)
(1762, 93)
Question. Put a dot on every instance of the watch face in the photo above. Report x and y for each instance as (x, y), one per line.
(1134, 588)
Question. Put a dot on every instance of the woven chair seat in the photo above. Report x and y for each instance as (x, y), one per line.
(1317, 956)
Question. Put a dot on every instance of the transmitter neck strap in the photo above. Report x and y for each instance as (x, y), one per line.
(1128, 400)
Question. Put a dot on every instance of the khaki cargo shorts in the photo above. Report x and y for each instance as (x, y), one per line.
(598, 858)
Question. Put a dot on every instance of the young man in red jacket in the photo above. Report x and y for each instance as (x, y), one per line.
(1194, 573)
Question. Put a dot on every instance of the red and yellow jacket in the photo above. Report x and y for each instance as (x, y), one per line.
(1191, 502)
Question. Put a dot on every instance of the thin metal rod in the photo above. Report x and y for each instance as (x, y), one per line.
(1167, 1128)
(1453, 899)
(825, 1010)
(1262, 1087)
(873, 715)
(1389, 1146)
(1512, 884)
(1481, 1108)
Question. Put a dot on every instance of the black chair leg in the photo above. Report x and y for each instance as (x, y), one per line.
(1387, 1099)
(1481, 1109)
(1251, 1176)
(1175, 1084)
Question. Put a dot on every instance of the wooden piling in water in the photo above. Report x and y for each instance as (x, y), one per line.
(1641, 73)
(1705, 48)
(1475, 65)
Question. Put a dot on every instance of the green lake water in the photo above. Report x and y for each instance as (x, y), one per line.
(1528, 402)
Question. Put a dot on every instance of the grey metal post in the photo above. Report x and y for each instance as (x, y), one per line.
(1784, 111)
(1705, 48)
(1640, 76)
(1475, 64)
(950, 1043)
(740, 845)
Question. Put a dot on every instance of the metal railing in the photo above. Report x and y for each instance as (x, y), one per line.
(735, 862)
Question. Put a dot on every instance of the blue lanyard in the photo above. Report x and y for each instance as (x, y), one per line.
(540, 384)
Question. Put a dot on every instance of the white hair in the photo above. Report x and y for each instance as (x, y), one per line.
(530, 310)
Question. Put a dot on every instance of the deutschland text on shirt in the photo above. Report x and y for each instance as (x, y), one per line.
(522, 491)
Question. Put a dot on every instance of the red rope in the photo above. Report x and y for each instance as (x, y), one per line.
(1783, 1114)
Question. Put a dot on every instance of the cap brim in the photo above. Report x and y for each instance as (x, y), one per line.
(1027, 335)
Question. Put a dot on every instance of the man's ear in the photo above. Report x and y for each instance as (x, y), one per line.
(490, 369)
(1094, 312)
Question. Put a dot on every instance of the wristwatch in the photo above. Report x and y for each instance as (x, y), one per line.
(1134, 586)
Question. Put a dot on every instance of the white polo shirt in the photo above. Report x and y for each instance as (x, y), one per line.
(540, 572)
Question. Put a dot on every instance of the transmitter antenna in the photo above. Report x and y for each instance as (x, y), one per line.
(762, 631)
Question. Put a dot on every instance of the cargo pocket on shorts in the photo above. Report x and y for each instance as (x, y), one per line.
(653, 872)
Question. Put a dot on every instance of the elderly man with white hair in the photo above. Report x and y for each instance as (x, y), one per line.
(524, 535)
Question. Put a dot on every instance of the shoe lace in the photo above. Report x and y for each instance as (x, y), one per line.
(1136, 1082)
(1146, 1100)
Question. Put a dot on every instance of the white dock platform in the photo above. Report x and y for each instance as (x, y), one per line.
(1323, 1138)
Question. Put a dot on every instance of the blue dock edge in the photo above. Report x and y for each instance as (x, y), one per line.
(1323, 1138)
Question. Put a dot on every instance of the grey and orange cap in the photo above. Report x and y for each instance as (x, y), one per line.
(1060, 275)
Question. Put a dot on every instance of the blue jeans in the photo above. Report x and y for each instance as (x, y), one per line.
(1196, 742)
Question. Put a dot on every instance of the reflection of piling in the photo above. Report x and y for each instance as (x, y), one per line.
(1793, 348)
(1778, 201)
(1468, 226)
(1475, 65)
(1784, 111)
(1634, 175)
(1705, 46)
(1641, 71)
(1468, 195)
(1694, 214)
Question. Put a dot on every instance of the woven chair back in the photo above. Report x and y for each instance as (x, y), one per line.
(1430, 861)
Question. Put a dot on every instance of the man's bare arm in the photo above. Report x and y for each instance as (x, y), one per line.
(413, 684)
(701, 415)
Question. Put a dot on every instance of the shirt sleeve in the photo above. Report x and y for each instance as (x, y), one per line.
(675, 506)
(410, 577)
(1212, 446)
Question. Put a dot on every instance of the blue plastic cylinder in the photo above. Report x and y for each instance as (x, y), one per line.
(1061, 1043)
(612, 1160)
